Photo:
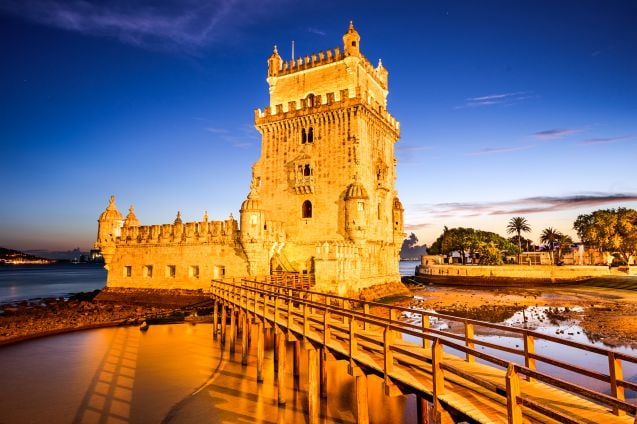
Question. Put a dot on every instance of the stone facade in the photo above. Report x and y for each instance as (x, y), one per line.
(322, 199)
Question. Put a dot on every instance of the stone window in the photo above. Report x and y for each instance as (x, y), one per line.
(219, 271)
(193, 271)
(148, 271)
(361, 206)
(306, 209)
(128, 271)
(307, 171)
(303, 136)
(170, 271)
(310, 135)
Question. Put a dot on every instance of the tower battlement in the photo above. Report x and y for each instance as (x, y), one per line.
(318, 104)
(282, 67)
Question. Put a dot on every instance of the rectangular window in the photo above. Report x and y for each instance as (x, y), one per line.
(361, 206)
(128, 271)
(219, 272)
(170, 271)
(193, 271)
(148, 271)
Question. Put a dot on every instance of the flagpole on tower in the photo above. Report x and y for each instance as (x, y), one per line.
(293, 50)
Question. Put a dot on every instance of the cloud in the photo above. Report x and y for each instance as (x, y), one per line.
(316, 31)
(492, 150)
(217, 130)
(602, 140)
(416, 227)
(243, 137)
(175, 25)
(555, 133)
(497, 99)
(529, 205)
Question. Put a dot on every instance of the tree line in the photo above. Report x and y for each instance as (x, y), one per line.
(605, 230)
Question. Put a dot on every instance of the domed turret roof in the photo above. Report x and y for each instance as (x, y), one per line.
(356, 191)
(131, 219)
(252, 203)
(397, 204)
(111, 213)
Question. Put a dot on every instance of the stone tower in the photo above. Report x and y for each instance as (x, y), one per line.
(327, 169)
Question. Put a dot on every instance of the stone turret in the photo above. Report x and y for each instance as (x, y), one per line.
(252, 234)
(109, 227)
(397, 216)
(351, 41)
(356, 206)
(274, 63)
(131, 219)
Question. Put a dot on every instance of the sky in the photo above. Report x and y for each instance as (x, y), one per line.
(507, 108)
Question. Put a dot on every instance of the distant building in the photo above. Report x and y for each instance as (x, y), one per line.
(322, 200)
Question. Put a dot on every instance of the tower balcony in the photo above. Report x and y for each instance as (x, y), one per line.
(303, 184)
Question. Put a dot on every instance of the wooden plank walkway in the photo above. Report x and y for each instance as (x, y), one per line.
(492, 392)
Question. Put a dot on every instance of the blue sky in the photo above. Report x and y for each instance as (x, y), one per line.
(507, 108)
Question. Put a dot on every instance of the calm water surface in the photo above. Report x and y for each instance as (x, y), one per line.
(23, 282)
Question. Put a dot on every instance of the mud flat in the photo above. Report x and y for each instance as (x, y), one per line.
(605, 314)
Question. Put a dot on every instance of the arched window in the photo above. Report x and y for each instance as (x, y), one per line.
(303, 136)
(306, 209)
(310, 135)
(307, 171)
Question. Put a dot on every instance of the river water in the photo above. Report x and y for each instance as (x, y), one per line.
(23, 282)
(175, 373)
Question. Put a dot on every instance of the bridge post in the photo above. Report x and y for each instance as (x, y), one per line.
(244, 338)
(224, 318)
(388, 363)
(215, 320)
(426, 343)
(366, 314)
(468, 337)
(437, 376)
(323, 363)
(260, 350)
(280, 341)
(233, 329)
(616, 374)
(529, 350)
(296, 363)
(514, 409)
(313, 390)
(353, 346)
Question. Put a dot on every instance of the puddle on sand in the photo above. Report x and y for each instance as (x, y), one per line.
(552, 321)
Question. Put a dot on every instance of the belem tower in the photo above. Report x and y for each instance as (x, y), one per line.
(322, 200)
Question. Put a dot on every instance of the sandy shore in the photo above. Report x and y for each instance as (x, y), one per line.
(604, 313)
(44, 317)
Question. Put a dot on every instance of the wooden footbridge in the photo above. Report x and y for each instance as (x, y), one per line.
(446, 371)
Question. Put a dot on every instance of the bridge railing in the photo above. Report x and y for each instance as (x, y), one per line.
(317, 310)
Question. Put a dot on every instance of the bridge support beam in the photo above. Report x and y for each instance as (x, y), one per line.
(244, 338)
(224, 318)
(313, 385)
(215, 320)
(233, 329)
(280, 342)
(422, 409)
(323, 369)
(362, 404)
(260, 350)
(296, 363)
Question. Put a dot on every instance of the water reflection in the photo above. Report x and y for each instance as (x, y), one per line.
(170, 374)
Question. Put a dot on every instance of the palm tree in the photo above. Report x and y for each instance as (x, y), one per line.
(563, 241)
(518, 224)
(550, 236)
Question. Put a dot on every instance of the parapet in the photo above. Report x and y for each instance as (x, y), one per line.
(190, 232)
(331, 101)
(321, 58)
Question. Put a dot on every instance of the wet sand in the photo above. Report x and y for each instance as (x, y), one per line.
(604, 313)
